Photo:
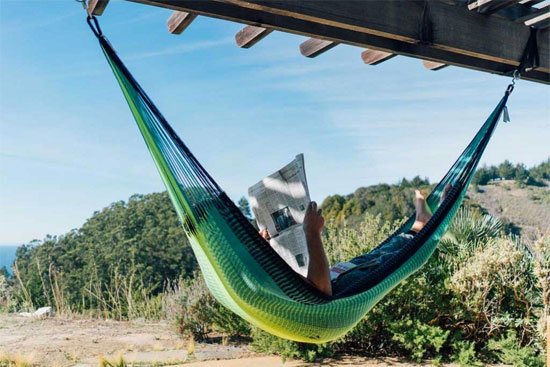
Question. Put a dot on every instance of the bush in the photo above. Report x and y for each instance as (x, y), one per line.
(465, 354)
(199, 313)
(287, 349)
(477, 286)
(418, 338)
(508, 351)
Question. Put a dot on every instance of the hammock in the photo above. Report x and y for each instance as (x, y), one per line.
(241, 269)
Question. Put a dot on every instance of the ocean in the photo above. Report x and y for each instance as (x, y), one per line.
(7, 255)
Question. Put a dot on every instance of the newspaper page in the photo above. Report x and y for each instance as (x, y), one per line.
(278, 203)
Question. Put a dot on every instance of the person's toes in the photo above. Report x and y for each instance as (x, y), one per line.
(423, 212)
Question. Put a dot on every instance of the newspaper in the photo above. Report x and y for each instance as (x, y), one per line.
(278, 203)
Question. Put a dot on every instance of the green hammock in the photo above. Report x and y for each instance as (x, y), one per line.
(241, 269)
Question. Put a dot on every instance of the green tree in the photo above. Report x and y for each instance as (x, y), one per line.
(506, 170)
(244, 207)
(140, 240)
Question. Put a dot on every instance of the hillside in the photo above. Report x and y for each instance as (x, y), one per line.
(528, 207)
(517, 195)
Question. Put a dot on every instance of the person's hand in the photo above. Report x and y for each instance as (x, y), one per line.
(313, 220)
(265, 234)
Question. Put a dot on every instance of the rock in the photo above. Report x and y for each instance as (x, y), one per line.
(43, 311)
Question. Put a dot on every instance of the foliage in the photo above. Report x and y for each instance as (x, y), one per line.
(6, 294)
(127, 248)
(199, 313)
(509, 351)
(287, 349)
(541, 271)
(534, 176)
(465, 354)
(480, 296)
(418, 338)
(391, 202)
(476, 288)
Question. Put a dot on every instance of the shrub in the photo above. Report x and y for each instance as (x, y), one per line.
(418, 338)
(199, 313)
(465, 354)
(478, 285)
(508, 350)
(287, 349)
(494, 289)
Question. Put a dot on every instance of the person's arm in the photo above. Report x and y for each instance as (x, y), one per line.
(318, 269)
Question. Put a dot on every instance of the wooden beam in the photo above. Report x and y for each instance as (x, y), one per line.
(529, 13)
(250, 35)
(391, 26)
(179, 21)
(313, 47)
(433, 65)
(96, 7)
(491, 6)
(540, 19)
(513, 12)
(375, 57)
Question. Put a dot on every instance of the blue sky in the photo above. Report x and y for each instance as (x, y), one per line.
(69, 146)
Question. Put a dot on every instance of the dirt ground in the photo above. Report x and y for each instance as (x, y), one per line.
(58, 342)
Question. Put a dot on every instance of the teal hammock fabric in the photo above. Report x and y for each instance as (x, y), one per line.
(241, 269)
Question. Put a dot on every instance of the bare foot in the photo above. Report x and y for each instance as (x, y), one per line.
(423, 212)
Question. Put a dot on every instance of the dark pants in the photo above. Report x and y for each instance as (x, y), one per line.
(368, 262)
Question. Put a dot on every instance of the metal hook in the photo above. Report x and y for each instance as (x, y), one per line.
(516, 75)
(83, 2)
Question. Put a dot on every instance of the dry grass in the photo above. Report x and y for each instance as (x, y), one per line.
(16, 360)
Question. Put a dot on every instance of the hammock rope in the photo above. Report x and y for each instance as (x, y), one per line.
(241, 269)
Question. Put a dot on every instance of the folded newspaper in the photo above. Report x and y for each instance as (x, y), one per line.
(279, 203)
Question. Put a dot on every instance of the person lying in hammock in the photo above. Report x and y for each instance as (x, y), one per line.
(318, 273)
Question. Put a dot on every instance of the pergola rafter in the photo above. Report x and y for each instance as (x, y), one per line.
(486, 35)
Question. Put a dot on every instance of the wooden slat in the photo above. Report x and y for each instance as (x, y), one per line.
(542, 16)
(375, 57)
(313, 47)
(491, 6)
(527, 12)
(179, 21)
(96, 7)
(531, 2)
(250, 35)
(512, 12)
(433, 65)
(459, 37)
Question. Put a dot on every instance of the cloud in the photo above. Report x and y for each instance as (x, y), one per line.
(41, 22)
(181, 48)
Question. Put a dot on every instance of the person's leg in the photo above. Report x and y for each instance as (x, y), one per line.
(423, 212)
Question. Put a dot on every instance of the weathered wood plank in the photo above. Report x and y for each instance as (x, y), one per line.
(542, 16)
(375, 57)
(250, 35)
(96, 7)
(491, 6)
(391, 26)
(313, 47)
(433, 65)
(179, 21)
